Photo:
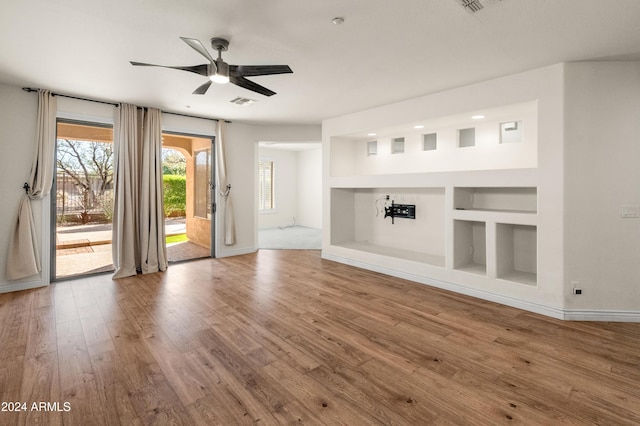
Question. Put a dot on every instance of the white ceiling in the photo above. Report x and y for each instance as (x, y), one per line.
(384, 52)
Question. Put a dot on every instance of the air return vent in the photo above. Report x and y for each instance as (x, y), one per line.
(242, 101)
(472, 5)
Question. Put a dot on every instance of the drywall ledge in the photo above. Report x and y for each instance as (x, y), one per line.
(426, 258)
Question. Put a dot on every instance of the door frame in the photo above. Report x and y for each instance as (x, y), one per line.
(53, 201)
(213, 243)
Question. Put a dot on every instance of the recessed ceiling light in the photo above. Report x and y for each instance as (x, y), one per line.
(371, 134)
(478, 117)
(337, 20)
(419, 126)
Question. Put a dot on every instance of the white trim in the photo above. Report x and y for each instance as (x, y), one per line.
(596, 315)
(550, 311)
(28, 285)
(45, 248)
(236, 252)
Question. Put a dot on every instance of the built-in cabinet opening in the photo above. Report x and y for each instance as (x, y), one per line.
(507, 199)
(470, 241)
(361, 220)
(493, 230)
(516, 253)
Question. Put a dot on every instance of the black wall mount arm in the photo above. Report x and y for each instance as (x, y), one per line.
(403, 211)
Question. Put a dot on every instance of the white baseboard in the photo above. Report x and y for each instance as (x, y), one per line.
(26, 285)
(550, 311)
(607, 316)
(236, 252)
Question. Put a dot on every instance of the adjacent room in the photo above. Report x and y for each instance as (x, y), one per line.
(331, 213)
(290, 196)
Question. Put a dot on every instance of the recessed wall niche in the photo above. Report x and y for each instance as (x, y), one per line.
(372, 148)
(397, 145)
(466, 137)
(430, 142)
(511, 132)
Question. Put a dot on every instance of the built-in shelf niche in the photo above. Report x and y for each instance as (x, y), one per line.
(511, 132)
(516, 253)
(466, 137)
(470, 241)
(372, 148)
(430, 142)
(358, 223)
(507, 199)
(397, 145)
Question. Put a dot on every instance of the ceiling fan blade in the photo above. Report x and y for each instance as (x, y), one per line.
(198, 69)
(255, 70)
(198, 47)
(250, 85)
(201, 90)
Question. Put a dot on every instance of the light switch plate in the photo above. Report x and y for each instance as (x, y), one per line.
(630, 211)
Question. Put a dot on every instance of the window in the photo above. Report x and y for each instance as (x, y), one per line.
(266, 185)
(202, 189)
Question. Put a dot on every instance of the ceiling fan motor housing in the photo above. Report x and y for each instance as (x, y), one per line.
(220, 44)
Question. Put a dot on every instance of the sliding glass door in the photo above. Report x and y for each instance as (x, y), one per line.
(82, 200)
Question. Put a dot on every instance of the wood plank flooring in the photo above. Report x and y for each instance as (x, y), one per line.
(284, 337)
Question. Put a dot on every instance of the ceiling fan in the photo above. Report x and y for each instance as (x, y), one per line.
(218, 71)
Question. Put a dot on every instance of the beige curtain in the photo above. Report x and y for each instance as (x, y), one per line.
(138, 221)
(153, 248)
(223, 185)
(23, 259)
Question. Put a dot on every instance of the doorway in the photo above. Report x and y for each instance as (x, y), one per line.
(83, 198)
(289, 195)
(188, 176)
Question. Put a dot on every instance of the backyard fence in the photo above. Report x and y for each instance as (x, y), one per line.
(89, 201)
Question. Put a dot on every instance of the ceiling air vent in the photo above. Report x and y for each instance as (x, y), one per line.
(242, 101)
(472, 5)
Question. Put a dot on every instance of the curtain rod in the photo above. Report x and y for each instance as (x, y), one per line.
(30, 90)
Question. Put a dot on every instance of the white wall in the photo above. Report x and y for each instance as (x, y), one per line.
(544, 169)
(602, 174)
(310, 188)
(18, 111)
(487, 154)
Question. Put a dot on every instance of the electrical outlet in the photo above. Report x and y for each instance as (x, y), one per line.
(576, 287)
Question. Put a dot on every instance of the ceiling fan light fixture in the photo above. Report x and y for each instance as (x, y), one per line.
(221, 76)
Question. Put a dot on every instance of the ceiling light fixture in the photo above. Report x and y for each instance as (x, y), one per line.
(221, 74)
(419, 126)
(371, 134)
(337, 20)
(477, 117)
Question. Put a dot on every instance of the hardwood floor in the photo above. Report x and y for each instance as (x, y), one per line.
(282, 337)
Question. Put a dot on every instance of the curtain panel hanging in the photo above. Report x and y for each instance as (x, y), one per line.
(224, 187)
(23, 258)
(138, 220)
